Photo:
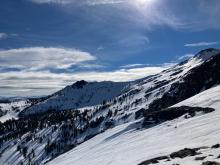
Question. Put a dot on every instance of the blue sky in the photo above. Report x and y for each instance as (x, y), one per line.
(48, 44)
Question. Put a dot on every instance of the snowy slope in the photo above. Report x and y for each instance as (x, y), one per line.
(12, 109)
(81, 94)
(126, 145)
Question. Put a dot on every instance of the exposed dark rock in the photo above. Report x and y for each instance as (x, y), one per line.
(210, 163)
(184, 153)
(216, 146)
(162, 157)
(200, 158)
(151, 161)
(80, 84)
(156, 117)
(2, 112)
(109, 124)
(154, 160)
(177, 72)
(139, 113)
(203, 147)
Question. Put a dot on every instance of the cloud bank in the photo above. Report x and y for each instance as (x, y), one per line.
(42, 83)
(27, 71)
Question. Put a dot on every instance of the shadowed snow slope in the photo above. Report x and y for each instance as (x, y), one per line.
(125, 145)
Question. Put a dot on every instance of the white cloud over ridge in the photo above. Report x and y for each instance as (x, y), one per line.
(33, 83)
(33, 70)
(40, 58)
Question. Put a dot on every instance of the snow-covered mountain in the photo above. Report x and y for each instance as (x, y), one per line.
(183, 79)
(121, 113)
(80, 94)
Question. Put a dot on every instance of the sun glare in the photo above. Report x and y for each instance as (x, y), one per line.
(144, 2)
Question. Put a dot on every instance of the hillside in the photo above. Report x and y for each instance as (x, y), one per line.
(181, 81)
(118, 113)
(128, 145)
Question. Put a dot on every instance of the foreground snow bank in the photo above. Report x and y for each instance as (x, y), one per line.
(126, 145)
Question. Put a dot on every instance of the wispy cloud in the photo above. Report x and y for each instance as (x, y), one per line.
(198, 44)
(200, 15)
(82, 2)
(3, 36)
(42, 58)
(104, 2)
(134, 40)
(133, 65)
(52, 1)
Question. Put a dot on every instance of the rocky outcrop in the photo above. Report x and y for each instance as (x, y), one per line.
(210, 163)
(184, 153)
(166, 114)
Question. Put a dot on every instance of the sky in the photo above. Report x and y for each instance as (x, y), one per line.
(48, 44)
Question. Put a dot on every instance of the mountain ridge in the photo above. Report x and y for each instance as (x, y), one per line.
(66, 129)
(196, 60)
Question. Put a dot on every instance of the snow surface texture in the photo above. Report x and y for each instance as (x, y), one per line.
(126, 145)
